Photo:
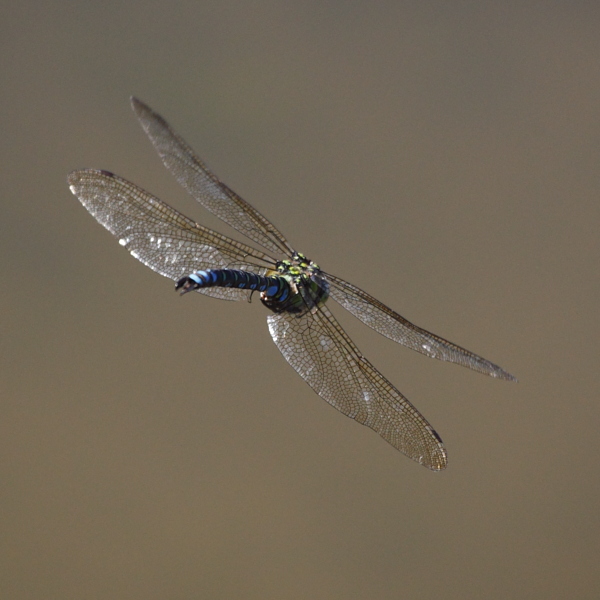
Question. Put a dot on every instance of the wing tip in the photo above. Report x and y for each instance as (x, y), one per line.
(499, 373)
(438, 462)
(76, 176)
(73, 178)
(138, 106)
(433, 455)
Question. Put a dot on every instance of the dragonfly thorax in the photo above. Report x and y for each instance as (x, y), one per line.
(298, 265)
(309, 288)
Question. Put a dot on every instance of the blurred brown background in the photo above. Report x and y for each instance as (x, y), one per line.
(443, 156)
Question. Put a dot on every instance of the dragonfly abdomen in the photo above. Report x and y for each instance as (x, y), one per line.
(276, 288)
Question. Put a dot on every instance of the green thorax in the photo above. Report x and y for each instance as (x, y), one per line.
(308, 287)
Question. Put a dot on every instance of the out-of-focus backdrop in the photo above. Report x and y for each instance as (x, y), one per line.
(442, 156)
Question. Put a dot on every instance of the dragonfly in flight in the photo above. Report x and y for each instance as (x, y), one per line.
(290, 285)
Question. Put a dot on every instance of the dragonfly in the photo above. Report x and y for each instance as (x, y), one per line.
(293, 288)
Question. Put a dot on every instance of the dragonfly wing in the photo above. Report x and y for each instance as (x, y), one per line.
(204, 186)
(390, 324)
(158, 235)
(327, 359)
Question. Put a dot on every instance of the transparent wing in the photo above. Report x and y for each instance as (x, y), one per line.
(159, 236)
(390, 324)
(327, 359)
(204, 186)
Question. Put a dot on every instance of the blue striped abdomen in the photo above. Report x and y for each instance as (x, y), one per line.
(276, 288)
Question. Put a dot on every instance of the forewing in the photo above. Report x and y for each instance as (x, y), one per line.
(390, 324)
(158, 235)
(325, 357)
(204, 186)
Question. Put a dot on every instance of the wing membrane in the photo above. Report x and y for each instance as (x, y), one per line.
(390, 324)
(319, 349)
(158, 235)
(204, 186)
